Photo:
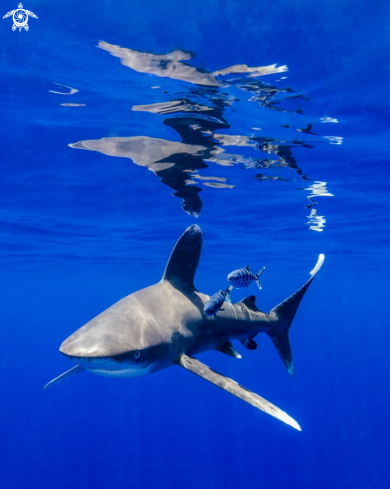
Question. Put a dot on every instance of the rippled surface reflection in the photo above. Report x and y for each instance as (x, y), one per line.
(199, 116)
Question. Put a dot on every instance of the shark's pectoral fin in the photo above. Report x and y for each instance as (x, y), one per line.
(236, 389)
(73, 371)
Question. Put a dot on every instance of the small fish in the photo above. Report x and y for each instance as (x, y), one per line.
(243, 277)
(216, 301)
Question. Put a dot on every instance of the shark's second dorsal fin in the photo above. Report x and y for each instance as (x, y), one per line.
(250, 303)
(183, 262)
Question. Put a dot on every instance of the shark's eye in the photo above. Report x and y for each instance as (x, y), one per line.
(137, 354)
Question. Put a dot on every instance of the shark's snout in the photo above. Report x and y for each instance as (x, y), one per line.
(118, 350)
(85, 346)
(113, 333)
(97, 358)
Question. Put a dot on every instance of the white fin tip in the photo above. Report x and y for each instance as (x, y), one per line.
(290, 421)
(319, 263)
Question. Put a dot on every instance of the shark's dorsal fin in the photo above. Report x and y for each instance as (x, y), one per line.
(247, 268)
(250, 303)
(183, 262)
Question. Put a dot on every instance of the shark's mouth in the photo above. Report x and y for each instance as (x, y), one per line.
(123, 372)
(109, 367)
(112, 366)
(129, 364)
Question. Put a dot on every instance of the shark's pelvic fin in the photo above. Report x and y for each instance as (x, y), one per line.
(184, 259)
(236, 389)
(285, 313)
(73, 371)
(229, 349)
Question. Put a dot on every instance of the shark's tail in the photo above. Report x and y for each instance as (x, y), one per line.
(283, 314)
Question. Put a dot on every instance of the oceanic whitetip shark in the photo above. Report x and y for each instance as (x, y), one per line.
(165, 325)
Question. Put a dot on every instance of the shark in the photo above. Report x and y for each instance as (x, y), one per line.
(165, 325)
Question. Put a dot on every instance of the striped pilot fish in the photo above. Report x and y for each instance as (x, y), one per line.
(243, 277)
(215, 303)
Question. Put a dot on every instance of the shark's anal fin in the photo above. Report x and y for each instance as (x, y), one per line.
(249, 343)
(183, 262)
(73, 371)
(229, 349)
(236, 389)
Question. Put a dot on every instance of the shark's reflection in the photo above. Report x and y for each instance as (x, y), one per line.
(198, 116)
(172, 65)
(169, 160)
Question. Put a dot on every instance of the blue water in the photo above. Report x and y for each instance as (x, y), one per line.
(80, 230)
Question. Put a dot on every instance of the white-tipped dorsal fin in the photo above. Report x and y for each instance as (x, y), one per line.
(183, 262)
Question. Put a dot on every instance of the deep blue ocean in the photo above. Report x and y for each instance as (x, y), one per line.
(124, 123)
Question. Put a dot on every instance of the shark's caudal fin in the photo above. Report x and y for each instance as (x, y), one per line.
(183, 262)
(234, 388)
(284, 314)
